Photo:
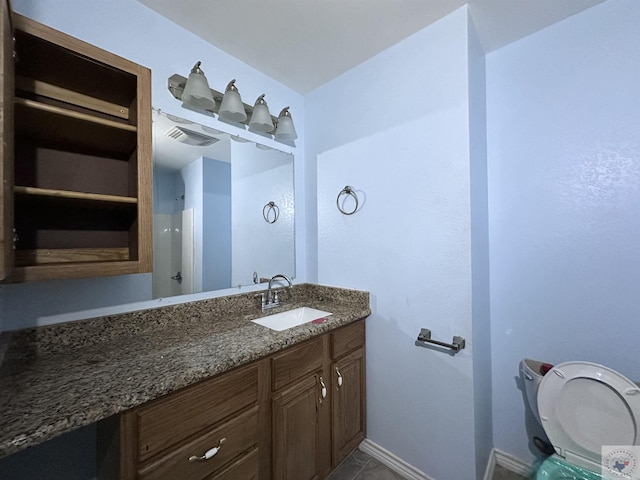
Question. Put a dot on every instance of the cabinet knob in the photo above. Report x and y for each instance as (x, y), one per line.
(209, 453)
(339, 377)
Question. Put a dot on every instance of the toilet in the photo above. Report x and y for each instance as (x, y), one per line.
(581, 406)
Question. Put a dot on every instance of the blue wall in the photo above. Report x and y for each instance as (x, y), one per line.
(216, 251)
(168, 187)
(564, 193)
(409, 158)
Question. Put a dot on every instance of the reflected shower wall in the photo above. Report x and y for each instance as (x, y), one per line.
(173, 261)
(172, 236)
(192, 228)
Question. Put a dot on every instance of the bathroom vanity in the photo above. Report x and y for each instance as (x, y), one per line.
(196, 380)
(307, 402)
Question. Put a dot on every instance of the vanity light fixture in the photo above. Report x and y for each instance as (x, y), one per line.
(196, 91)
(261, 120)
(285, 129)
(229, 106)
(232, 108)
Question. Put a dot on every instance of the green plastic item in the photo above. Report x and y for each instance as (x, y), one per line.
(554, 468)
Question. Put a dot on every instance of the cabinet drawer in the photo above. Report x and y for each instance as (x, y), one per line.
(347, 339)
(185, 413)
(240, 434)
(244, 469)
(297, 362)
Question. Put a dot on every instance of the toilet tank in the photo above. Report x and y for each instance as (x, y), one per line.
(531, 372)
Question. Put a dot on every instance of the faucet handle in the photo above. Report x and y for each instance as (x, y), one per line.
(263, 298)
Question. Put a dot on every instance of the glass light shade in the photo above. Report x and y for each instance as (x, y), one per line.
(285, 129)
(261, 118)
(196, 91)
(232, 107)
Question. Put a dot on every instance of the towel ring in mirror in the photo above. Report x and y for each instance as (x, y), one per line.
(270, 212)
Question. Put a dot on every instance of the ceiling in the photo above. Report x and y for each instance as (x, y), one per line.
(305, 43)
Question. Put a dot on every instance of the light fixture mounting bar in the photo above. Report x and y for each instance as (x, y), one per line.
(176, 84)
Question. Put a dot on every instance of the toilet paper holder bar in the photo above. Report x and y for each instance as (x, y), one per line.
(456, 345)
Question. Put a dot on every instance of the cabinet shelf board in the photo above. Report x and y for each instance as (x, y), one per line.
(63, 112)
(96, 197)
(40, 88)
(37, 124)
(73, 270)
(70, 255)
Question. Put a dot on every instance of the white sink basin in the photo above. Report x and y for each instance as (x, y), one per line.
(292, 318)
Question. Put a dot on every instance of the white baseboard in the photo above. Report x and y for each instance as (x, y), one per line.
(491, 465)
(511, 463)
(390, 460)
(410, 472)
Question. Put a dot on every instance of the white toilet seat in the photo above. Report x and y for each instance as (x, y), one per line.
(584, 406)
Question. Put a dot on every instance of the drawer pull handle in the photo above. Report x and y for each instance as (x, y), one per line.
(324, 389)
(339, 377)
(209, 453)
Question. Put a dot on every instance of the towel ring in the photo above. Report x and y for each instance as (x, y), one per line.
(347, 191)
(269, 211)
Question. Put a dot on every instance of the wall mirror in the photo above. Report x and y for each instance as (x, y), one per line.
(223, 209)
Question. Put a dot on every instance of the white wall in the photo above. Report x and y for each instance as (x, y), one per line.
(564, 191)
(397, 129)
(133, 31)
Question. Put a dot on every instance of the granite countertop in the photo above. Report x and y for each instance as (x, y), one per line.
(58, 378)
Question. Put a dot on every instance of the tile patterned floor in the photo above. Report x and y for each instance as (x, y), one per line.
(501, 473)
(360, 466)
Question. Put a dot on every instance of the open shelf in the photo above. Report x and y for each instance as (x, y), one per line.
(40, 123)
(33, 88)
(57, 59)
(80, 159)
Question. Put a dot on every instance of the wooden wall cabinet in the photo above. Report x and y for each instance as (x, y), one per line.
(292, 416)
(76, 175)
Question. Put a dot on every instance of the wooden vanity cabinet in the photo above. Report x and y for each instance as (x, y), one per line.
(301, 412)
(314, 431)
(76, 173)
(348, 382)
(285, 417)
(156, 440)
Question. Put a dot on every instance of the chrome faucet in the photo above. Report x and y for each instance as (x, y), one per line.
(271, 300)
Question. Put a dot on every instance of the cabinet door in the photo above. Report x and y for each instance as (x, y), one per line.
(6, 143)
(297, 430)
(349, 419)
